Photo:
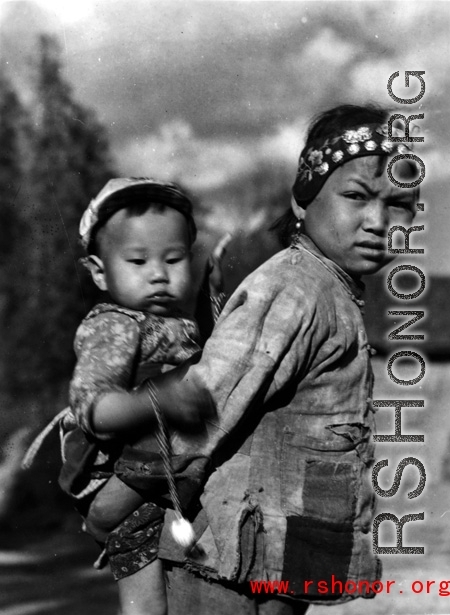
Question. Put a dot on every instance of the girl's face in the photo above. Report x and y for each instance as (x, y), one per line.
(350, 217)
(145, 261)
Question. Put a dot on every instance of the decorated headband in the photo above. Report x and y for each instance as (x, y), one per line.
(103, 206)
(319, 161)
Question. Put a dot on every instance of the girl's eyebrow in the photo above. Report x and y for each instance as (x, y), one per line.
(363, 184)
(372, 192)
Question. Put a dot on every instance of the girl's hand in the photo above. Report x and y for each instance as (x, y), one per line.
(214, 265)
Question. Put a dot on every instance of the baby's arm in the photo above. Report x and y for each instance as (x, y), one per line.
(121, 411)
(107, 345)
(101, 398)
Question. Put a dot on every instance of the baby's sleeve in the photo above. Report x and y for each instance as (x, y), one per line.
(107, 347)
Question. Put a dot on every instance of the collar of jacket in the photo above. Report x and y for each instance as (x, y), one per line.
(355, 288)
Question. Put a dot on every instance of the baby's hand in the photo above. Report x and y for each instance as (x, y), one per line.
(182, 397)
(215, 265)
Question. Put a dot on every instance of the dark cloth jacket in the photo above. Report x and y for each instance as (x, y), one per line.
(288, 369)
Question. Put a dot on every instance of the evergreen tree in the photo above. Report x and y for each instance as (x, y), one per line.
(70, 163)
(12, 128)
(12, 119)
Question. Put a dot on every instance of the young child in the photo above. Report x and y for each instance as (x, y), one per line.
(138, 234)
(287, 371)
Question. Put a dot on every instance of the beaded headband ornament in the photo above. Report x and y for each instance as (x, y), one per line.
(103, 207)
(322, 158)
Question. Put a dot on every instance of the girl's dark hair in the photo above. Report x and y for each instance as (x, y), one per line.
(334, 122)
(329, 124)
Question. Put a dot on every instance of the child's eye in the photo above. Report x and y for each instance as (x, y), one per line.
(173, 259)
(137, 261)
(356, 196)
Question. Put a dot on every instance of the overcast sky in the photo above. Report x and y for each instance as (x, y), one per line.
(206, 90)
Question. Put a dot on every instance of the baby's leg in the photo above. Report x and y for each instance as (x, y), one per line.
(112, 504)
(144, 592)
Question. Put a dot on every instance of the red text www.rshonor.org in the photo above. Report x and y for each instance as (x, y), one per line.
(334, 586)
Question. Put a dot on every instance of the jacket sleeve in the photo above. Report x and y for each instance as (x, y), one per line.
(106, 346)
(260, 344)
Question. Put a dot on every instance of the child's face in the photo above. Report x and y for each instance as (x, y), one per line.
(145, 261)
(350, 217)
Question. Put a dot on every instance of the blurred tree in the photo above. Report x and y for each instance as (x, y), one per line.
(69, 164)
(12, 119)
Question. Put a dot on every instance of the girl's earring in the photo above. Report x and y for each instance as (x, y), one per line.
(298, 229)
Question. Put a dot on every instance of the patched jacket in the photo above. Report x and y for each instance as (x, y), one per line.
(288, 369)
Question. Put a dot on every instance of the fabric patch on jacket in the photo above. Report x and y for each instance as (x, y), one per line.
(316, 551)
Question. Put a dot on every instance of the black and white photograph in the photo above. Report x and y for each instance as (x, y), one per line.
(224, 287)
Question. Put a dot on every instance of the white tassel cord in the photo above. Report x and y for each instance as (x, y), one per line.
(182, 531)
